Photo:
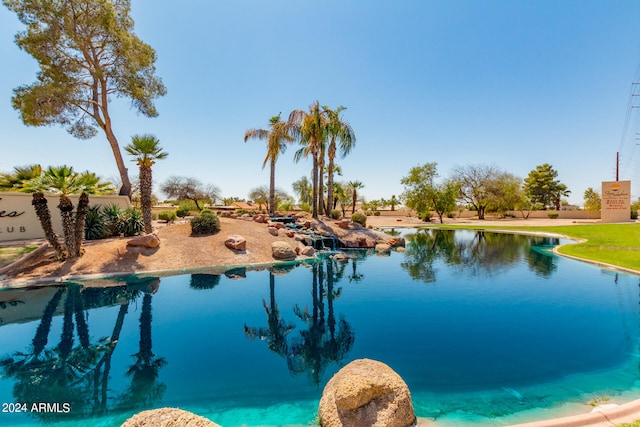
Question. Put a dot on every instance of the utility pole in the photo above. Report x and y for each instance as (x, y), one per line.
(617, 166)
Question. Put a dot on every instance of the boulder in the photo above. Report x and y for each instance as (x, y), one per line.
(308, 251)
(282, 250)
(344, 223)
(236, 242)
(289, 233)
(147, 241)
(383, 247)
(299, 237)
(366, 393)
(273, 231)
(168, 417)
(395, 241)
(260, 219)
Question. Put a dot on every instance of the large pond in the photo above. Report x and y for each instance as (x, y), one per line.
(485, 328)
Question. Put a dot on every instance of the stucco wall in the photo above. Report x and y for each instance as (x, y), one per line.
(18, 219)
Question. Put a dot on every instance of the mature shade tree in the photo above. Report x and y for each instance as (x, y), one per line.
(423, 194)
(506, 192)
(277, 138)
(261, 196)
(146, 150)
(477, 185)
(309, 127)
(542, 186)
(181, 188)
(88, 54)
(353, 187)
(341, 131)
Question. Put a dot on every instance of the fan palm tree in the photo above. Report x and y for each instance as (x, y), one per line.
(63, 181)
(14, 181)
(340, 130)
(146, 150)
(354, 186)
(277, 138)
(309, 127)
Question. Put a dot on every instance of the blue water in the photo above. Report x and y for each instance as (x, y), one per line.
(485, 328)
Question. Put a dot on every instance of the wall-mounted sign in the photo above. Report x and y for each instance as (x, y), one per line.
(616, 201)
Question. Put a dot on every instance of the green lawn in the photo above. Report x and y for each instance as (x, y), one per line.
(11, 253)
(616, 244)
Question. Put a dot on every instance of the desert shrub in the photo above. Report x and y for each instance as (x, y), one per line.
(112, 219)
(167, 216)
(95, 226)
(359, 218)
(182, 212)
(376, 213)
(336, 214)
(425, 216)
(130, 222)
(634, 213)
(206, 222)
(241, 211)
(189, 205)
(553, 215)
(305, 207)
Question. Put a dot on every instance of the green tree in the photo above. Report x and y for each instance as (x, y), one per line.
(353, 187)
(88, 54)
(181, 188)
(542, 186)
(506, 192)
(146, 150)
(423, 194)
(277, 138)
(303, 190)
(64, 181)
(592, 200)
(477, 186)
(15, 181)
(341, 131)
(309, 127)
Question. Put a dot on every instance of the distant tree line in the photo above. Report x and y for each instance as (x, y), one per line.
(482, 188)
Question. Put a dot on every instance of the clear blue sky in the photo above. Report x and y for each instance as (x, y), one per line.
(510, 83)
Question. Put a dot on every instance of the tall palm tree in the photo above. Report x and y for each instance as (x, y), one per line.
(146, 150)
(340, 130)
(277, 138)
(354, 186)
(309, 127)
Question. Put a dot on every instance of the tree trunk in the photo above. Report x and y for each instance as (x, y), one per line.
(41, 207)
(145, 197)
(68, 224)
(354, 198)
(314, 207)
(125, 190)
(272, 187)
(332, 155)
(480, 212)
(321, 205)
(81, 214)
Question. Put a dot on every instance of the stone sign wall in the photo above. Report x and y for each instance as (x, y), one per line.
(616, 201)
(18, 219)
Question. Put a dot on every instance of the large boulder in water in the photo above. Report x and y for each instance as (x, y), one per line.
(168, 417)
(366, 393)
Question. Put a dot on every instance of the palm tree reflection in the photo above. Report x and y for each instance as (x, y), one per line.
(324, 341)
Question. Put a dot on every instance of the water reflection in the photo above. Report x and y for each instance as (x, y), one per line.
(475, 253)
(78, 374)
(325, 340)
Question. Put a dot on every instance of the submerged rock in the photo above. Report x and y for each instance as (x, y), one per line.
(366, 393)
